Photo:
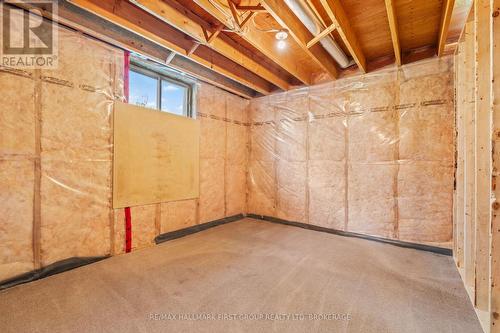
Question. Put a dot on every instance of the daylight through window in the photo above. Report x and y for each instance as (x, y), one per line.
(157, 91)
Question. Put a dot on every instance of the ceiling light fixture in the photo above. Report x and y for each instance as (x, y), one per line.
(281, 36)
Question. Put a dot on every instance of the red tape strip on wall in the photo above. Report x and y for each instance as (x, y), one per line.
(126, 92)
(128, 230)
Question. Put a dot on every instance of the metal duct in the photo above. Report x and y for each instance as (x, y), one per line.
(307, 18)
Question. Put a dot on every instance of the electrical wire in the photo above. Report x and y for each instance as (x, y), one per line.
(256, 26)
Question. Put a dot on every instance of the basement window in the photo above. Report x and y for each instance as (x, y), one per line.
(158, 91)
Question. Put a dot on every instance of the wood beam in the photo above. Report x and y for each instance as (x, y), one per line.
(393, 25)
(81, 20)
(177, 16)
(284, 15)
(445, 24)
(495, 226)
(134, 19)
(459, 199)
(338, 16)
(264, 42)
(470, 158)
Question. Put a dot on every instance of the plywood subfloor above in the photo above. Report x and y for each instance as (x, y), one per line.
(369, 20)
(250, 267)
(419, 22)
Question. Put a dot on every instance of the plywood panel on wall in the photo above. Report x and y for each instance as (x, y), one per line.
(156, 157)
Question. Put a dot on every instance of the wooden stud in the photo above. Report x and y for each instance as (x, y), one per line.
(338, 16)
(284, 15)
(470, 157)
(459, 201)
(393, 24)
(175, 15)
(495, 227)
(482, 14)
(445, 24)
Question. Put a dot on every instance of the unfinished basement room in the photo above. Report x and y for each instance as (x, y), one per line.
(249, 166)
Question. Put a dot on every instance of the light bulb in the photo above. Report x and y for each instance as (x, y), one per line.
(281, 35)
(281, 44)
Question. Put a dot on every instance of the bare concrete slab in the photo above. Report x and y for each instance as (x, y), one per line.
(249, 276)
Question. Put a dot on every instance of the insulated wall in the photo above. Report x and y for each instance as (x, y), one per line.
(372, 154)
(56, 153)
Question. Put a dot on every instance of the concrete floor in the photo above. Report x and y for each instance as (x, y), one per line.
(251, 269)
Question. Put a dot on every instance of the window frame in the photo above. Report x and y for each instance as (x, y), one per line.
(188, 97)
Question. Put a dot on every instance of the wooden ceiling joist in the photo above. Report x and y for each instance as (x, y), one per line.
(81, 20)
(211, 34)
(393, 24)
(136, 20)
(285, 16)
(262, 41)
(180, 18)
(190, 67)
(445, 24)
(338, 16)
